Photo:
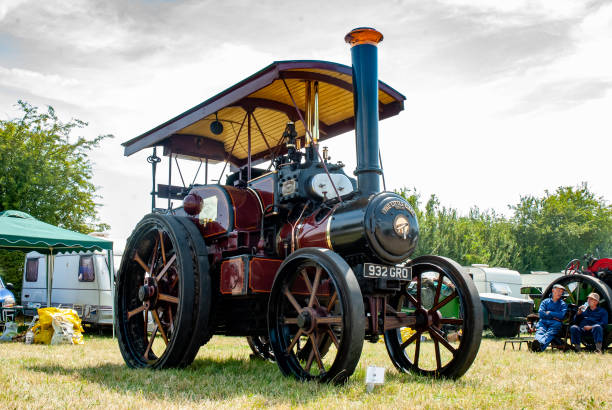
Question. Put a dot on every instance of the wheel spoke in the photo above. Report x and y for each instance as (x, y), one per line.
(315, 287)
(166, 267)
(333, 337)
(451, 321)
(436, 335)
(438, 289)
(444, 301)
(308, 284)
(315, 349)
(163, 250)
(569, 294)
(310, 359)
(437, 349)
(332, 300)
(414, 302)
(330, 320)
(141, 262)
(295, 340)
(146, 324)
(154, 257)
(135, 311)
(153, 334)
(168, 298)
(290, 321)
(174, 282)
(159, 325)
(417, 351)
(292, 300)
(410, 340)
(171, 319)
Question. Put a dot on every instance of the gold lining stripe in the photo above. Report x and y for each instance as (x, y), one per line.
(328, 233)
(262, 176)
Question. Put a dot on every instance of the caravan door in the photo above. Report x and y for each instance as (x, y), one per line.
(75, 285)
(34, 283)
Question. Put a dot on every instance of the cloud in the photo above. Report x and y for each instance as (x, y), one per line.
(564, 94)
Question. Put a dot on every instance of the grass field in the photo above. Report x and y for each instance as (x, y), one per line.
(223, 376)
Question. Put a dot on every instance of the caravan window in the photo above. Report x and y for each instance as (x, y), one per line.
(32, 270)
(86, 269)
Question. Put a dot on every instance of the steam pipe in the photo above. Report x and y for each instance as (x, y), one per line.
(364, 53)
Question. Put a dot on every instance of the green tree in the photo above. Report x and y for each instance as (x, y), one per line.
(46, 173)
(560, 226)
(479, 237)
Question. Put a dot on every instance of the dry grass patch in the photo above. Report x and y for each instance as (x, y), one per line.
(94, 375)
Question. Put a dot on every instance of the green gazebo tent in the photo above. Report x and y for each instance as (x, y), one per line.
(22, 232)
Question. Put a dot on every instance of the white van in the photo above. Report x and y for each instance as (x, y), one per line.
(80, 281)
(504, 308)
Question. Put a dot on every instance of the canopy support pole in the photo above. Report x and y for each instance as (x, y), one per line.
(50, 266)
(111, 272)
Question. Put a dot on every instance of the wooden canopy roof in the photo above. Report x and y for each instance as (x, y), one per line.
(269, 96)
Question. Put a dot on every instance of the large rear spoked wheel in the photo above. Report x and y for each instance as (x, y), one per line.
(316, 317)
(446, 308)
(162, 298)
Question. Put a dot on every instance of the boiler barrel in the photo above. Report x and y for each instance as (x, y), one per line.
(382, 228)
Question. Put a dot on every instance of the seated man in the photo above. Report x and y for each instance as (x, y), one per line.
(591, 319)
(552, 311)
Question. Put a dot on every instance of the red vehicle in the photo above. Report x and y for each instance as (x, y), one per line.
(301, 258)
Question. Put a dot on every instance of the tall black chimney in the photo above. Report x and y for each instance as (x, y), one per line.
(364, 52)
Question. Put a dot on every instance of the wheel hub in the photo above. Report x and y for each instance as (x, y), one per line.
(425, 318)
(146, 292)
(306, 320)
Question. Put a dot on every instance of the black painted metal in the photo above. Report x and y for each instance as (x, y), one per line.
(365, 84)
(364, 227)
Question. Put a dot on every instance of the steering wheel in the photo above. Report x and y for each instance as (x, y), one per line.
(573, 267)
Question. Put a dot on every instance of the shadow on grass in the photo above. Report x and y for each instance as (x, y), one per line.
(209, 379)
(205, 379)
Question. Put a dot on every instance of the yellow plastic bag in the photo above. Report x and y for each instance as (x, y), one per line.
(43, 330)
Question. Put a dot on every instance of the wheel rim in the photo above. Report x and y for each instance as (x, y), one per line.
(444, 339)
(310, 336)
(572, 268)
(150, 289)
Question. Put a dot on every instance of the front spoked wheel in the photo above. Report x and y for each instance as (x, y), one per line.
(447, 313)
(159, 295)
(316, 317)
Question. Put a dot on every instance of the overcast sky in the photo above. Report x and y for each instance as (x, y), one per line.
(504, 98)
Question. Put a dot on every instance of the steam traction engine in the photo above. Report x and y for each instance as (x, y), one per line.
(300, 258)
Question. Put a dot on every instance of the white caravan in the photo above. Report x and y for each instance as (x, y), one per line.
(539, 279)
(502, 281)
(81, 282)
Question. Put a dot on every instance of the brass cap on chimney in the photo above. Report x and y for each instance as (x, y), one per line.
(363, 35)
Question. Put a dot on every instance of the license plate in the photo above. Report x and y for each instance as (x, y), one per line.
(376, 271)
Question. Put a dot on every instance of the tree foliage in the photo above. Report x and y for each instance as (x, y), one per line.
(47, 173)
(561, 226)
(479, 237)
(542, 234)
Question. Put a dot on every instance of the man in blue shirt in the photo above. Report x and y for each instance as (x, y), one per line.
(591, 319)
(552, 311)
